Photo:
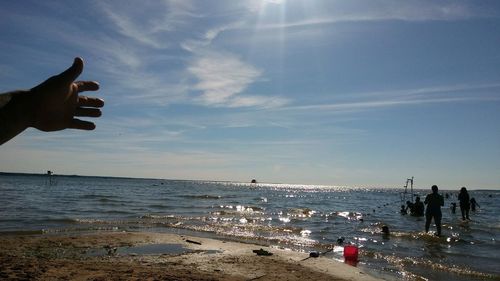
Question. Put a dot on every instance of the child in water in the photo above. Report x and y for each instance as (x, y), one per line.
(453, 207)
(473, 204)
(418, 208)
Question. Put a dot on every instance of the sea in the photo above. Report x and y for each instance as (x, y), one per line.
(297, 217)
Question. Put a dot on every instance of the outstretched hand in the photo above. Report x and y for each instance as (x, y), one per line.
(52, 105)
(59, 102)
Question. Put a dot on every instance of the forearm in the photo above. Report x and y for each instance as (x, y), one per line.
(15, 116)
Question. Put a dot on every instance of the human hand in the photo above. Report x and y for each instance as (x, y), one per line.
(56, 102)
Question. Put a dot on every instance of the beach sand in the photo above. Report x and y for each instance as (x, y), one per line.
(92, 256)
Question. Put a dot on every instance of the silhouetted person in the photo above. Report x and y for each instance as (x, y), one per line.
(385, 232)
(340, 240)
(464, 199)
(409, 206)
(50, 106)
(434, 201)
(473, 204)
(418, 208)
(453, 207)
(403, 210)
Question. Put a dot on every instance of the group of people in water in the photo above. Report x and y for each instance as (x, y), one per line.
(434, 202)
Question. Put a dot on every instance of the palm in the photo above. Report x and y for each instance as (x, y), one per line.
(58, 102)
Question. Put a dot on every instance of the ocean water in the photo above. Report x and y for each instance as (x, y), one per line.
(299, 217)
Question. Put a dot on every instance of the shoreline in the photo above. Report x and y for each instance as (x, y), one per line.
(158, 256)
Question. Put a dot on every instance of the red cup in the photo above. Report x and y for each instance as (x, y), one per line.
(351, 253)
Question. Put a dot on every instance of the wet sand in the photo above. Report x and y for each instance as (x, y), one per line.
(156, 256)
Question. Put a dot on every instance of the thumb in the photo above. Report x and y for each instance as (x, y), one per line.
(70, 74)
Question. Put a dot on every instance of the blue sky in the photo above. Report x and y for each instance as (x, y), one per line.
(357, 93)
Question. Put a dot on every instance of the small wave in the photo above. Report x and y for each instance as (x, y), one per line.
(90, 221)
(151, 216)
(158, 206)
(204, 196)
(428, 237)
(116, 202)
(230, 209)
(94, 196)
(292, 237)
(106, 199)
(297, 213)
(119, 212)
(350, 215)
(404, 262)
(62, 220)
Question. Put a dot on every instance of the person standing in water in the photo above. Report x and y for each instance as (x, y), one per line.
(463, 197)
(473, 204)
(434, 201)
(418, 208)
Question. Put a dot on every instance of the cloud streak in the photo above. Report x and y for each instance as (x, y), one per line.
(163, 16)
(443, 94)
(355, 106)
(362, 11)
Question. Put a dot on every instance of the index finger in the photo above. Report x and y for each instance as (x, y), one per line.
(83, 86)
(90, 101)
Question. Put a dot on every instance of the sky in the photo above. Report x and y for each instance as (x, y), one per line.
(347, 93)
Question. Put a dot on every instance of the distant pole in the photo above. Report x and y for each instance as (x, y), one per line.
(411, 185)
(405, 193)
(49, 175)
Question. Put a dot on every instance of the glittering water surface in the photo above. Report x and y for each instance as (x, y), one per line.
(301, 217)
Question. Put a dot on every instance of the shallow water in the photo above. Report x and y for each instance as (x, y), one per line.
(301, 217)
(149, 249)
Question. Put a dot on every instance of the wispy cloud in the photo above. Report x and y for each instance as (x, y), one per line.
(211, 34)
(360, 11)
(257, 101)
(163, 16)
(221, 77)
(195, 45)
(471, 89)
(382, 99)
(131, 30)
(353, 106)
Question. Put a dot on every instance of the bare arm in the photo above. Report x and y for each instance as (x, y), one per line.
(13, 116)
